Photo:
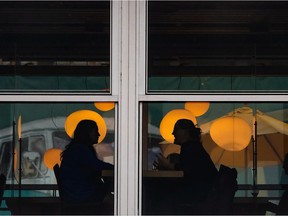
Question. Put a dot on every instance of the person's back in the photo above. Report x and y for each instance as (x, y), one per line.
(196, 163)
(200, 174)
(199, 170)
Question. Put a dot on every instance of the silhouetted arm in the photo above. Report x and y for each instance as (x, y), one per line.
(91, 160)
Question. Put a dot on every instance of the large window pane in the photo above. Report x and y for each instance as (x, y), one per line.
(55, 45)
(258, 160)
(42, 128)
(217, 46)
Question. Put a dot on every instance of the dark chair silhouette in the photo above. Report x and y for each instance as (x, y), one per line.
(281, 208)
(226, 189)
(220, 199)
(56, 169)
(78, 208)
(2, 186)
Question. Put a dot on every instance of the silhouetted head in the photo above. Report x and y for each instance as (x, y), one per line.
(285, 164)
(86, 133)
(185, 130)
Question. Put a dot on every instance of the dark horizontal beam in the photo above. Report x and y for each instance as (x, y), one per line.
(53, 55)
(54, 186)
(32, 187)
(54, 70)
(55, 47)
(267, 39)
(174, 71)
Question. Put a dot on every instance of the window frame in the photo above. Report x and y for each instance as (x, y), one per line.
(129, 91)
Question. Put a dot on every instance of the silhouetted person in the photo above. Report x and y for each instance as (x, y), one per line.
(200, 173)
(282, 207)
(80, 169)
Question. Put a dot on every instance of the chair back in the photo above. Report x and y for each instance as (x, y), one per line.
(227, 188)
(2, 186)
(56, 169)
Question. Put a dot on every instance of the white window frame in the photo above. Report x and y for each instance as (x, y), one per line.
(128, 89)
(143, 95)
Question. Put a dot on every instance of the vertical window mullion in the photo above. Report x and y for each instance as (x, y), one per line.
(127, 150)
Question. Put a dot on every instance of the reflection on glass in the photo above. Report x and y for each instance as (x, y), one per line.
(55, 46)
(259, 163)
(216, 46)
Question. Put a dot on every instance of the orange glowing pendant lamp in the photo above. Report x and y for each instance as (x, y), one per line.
(52, 157)
(104, 106)
(231, 133)
(19, 128)
(197, 108)
(74, 118)
(169, 120)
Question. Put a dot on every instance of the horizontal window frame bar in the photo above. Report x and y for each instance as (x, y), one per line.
(56, 97)
(241, 97)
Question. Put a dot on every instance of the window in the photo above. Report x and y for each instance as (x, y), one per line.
(42, 129)
(55, 46)
(60, 139)
(264, 147)
(224, 53)
(230, 54)
(197, 46)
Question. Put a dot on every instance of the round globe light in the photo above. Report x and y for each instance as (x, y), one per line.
(104, 106)
(231, 133)
(74, 118)
(52, 157)
(197, 108)
(169, 120)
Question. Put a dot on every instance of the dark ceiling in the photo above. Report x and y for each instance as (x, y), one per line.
(184, 38)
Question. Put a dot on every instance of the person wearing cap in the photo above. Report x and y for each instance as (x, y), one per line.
(200, 173)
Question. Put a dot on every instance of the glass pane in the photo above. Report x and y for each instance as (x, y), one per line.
(58, 45)
(250, 137)
(217, 46)
(45, 128)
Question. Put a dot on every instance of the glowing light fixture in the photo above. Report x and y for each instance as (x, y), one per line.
(169, 120)
(74, 118)
(231, 133)
(51, 157)
(104, 106)
(19, 127)
(16, 159)
(197, 108)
